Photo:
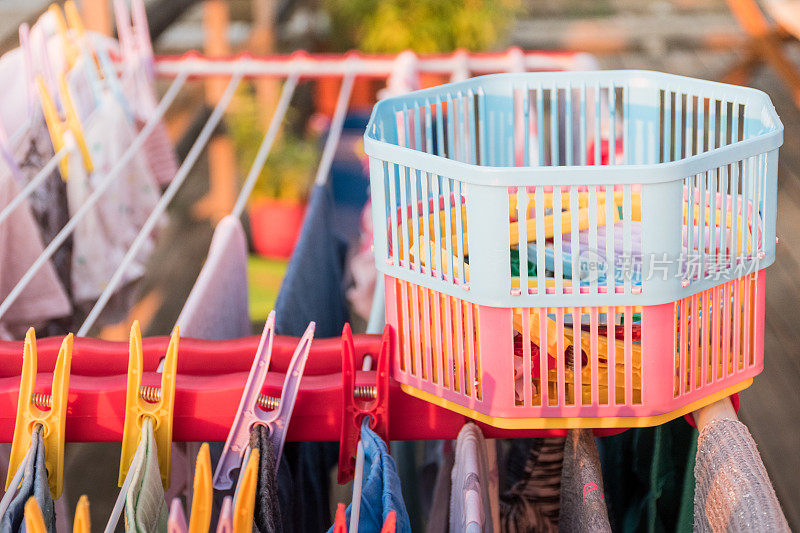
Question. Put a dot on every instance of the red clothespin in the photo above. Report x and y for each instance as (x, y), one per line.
(390, 524)
(372, 401)
(340, 521)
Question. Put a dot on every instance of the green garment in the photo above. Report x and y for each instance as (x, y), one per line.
(649, 477)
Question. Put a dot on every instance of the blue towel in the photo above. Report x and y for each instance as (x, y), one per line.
(380, 492)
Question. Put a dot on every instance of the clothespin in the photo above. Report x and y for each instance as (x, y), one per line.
(104, 68)
(225, 521)
(82, 522)
(145, 401)
(34, 521)
(246, 496)
(176, 522)
(390, 524)
(340, 520)
(30, 413)
(59, 129)
(372, 401)
(200, 518)
(68, 46)
(250, 410)
(124, 31)
(141, 36)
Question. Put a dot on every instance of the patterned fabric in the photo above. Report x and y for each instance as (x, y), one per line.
(44, 297)
(583, 506)
(145, 506)
(106, 232)
(733, 491)
(532, 501)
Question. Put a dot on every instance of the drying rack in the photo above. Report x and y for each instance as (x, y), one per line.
(212, 374)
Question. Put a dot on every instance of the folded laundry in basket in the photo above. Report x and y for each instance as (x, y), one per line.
(592, 259)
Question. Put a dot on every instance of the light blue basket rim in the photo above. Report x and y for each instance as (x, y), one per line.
(513, 176)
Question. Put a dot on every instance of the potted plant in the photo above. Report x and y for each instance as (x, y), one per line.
(278, 201)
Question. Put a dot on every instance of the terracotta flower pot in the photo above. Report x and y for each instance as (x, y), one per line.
(275, 226)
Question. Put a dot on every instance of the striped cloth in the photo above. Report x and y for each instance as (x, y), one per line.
(532, 503)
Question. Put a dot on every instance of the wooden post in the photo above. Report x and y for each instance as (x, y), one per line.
(262, 42)
(96, 15)
(221, 155)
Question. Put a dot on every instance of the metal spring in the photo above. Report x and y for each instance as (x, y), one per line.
(268, 403)
(365, 392)
(150, 393)
(42, 400)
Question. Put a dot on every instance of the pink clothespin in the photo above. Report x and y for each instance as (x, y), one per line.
(249, 413)
(225, 522)
(176, 523)
(141, 37)
(123, 20)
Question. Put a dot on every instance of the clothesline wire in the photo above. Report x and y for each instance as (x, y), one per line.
(335, 130)
(266, 145)
(31, 186)
(112, 175)
(326, 160)
(163, 202)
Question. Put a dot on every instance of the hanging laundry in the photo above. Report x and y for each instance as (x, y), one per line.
(533, 474)
(583, 506)
(470, 506)
(103, 236)
(645, 470)
(217, 307)
(48, 202)
(34, 483)
(380, 492)
(312, 291)
(44, 298)
(733, 491)
(145, 506)
(274, 489)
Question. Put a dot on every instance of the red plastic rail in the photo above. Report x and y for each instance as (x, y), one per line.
(211, 377)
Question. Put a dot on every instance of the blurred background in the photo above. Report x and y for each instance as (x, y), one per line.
(745, 42)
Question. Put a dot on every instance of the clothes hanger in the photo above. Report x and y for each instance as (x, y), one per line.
(31, 414)
(250, 411)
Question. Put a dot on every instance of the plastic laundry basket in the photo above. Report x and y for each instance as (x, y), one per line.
(575, 249)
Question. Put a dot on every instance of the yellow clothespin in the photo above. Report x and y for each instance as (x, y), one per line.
(34, 521)
(82, 522)
(143, 401)
(246, 498)
(30, 414)
(76, 24)
(58, 129)
(70, 49)
(200, 519)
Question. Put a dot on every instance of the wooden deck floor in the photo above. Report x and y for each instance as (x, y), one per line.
(771, 406)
